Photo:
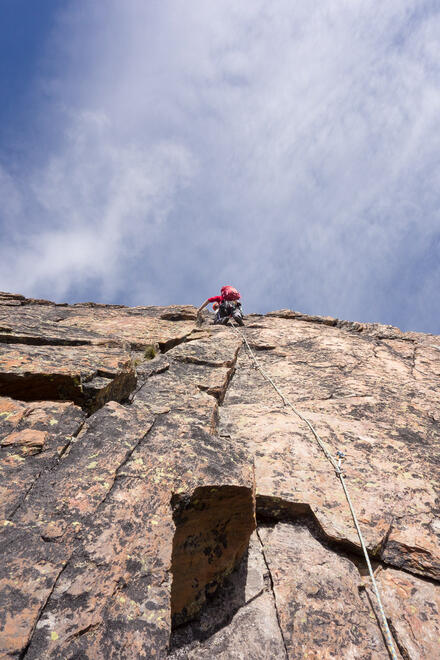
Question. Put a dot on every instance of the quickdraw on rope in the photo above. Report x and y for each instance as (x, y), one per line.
(337, 466)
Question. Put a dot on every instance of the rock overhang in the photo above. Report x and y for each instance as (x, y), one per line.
(105, 490)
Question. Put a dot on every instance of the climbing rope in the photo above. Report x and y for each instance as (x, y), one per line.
(337, 466)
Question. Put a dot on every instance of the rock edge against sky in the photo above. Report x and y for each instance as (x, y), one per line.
(158, 500)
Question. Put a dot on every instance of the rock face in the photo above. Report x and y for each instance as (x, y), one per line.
(157, 499)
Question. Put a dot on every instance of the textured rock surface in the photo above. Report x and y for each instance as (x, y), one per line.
(89, 376)
(321, 611)
(138, 451)
(366, 397)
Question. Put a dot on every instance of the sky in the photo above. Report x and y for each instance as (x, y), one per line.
(152, 151)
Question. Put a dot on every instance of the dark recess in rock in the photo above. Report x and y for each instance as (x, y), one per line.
(213, 527)
(132, 475)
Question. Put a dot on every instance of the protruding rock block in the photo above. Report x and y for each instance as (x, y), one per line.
(116, 524)
(213, 527)
(240, 617)
(88, 376)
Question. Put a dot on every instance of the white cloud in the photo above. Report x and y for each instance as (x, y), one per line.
(290, 149)
(99, 203)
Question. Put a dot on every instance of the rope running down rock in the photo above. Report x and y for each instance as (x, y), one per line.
(338, 471)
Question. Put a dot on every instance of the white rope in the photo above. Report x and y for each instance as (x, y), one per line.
(337, 467)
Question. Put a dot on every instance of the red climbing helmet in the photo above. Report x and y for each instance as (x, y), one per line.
(229, 293)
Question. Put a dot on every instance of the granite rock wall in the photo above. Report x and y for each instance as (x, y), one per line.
(158, 500)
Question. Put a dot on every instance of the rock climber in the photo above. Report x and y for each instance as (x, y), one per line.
(227, 305)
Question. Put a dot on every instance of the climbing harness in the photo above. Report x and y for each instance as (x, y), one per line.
(337, 466)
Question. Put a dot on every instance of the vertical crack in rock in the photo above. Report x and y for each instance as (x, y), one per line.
(307, 547)
(149, 368)
(45, 472)
(316, 591)
(124, 462)
(273, 593)
(230, 375)
(219, 391)
(73, 436)
(241, 612)
(23, 653)
(24, 497)
(213, 527)
(402, 650)
(372, 604)
(104, 388)
(130, 560)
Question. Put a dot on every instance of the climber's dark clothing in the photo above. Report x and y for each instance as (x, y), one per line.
(229, 309)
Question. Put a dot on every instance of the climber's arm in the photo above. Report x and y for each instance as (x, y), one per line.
(203, 306)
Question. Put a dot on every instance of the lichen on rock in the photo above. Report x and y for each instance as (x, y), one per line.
(139, 452)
